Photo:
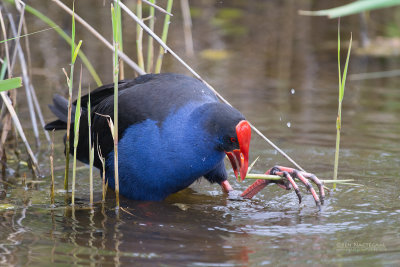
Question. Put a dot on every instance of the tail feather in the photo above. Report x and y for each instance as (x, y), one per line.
(55, 125)
(60, 109)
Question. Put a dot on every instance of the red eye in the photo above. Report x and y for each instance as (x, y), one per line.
(233, 140)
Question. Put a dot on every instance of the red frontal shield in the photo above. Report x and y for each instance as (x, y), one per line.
(239, 158)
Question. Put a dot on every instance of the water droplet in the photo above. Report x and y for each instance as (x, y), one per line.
(292, 91)
(288, 124)
(280, 118)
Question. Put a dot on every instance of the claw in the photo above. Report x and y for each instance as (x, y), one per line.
(289, 174)
(300, 175)
(319, 183)
(292, 182)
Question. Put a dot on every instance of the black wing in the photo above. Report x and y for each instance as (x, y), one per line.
(152, 96)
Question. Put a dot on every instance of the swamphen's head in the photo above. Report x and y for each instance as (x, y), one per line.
(234, 134)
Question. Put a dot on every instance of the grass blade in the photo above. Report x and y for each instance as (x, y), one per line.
(342, 83)
(70, 82)
(11, 83)
(76, 52)
(352, 8)
(26, 35)
(346, 66)
(252, 165)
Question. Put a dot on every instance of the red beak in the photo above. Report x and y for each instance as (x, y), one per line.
(239, 158)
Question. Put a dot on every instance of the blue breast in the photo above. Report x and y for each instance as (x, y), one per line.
(157, 159)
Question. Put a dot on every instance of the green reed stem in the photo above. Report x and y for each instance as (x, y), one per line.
(91, 149)
(139, 35)
(164, 37)
(120, 41)
(115, 21)
(342, 83)
(150, 44)
(76, 136)
(52, 170)
(277, 178)
(263, 176)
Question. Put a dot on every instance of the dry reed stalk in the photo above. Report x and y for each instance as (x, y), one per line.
(25, 67)
(25, 76)
(152, 4)
(16, 35)
(14, 116)
(187, 27)
(164, 36)
(103, 176)
(9, 105)
(7, 118)
(3, 28)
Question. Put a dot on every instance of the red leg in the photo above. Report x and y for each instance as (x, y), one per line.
(226, 186)
(259, 185)
(253, 189)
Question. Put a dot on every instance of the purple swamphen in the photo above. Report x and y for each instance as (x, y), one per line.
(172, 131)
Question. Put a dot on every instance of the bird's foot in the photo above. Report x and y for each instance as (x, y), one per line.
(289, 174)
